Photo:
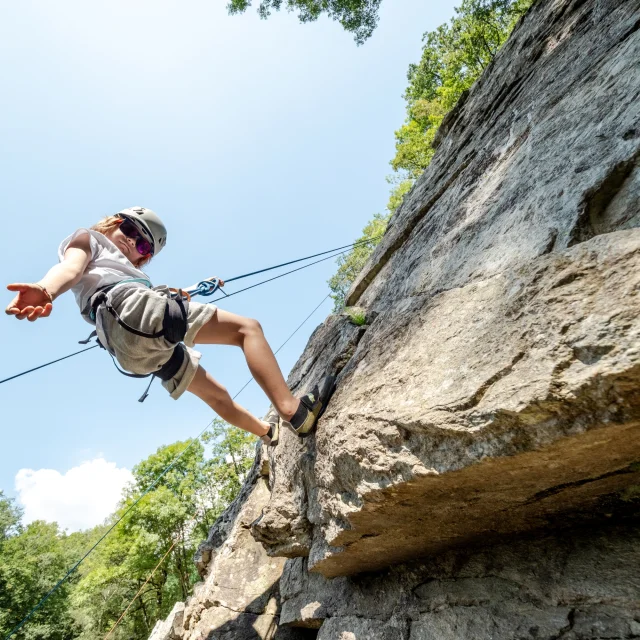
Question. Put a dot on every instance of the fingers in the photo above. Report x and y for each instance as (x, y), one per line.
(21, 314)
(30, 313)
(19, 286)
(220, 282)
(40, 312)
(12, 309)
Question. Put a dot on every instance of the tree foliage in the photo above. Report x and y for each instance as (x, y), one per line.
(359, 17)
(10, 516)
(173, 517)
(453, 58)
(231, 458)
(32, 560)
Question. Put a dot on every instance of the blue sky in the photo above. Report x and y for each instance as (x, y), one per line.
(256, 141)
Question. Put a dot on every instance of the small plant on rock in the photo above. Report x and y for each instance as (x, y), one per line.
(356, 315)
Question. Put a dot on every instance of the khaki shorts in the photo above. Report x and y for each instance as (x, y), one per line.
(143, 309)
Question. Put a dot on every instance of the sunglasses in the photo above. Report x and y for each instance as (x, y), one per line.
(130, 230)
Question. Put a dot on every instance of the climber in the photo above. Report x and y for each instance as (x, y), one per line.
(151, 331)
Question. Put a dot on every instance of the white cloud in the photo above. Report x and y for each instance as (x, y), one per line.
(78, 499)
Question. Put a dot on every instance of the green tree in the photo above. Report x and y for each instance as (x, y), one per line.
(171, 519)
(359, 17)
(10, 516)
(232, 452)
(32, 560)
(163, 520)
(453, 57)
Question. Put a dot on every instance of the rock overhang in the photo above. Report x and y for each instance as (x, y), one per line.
(488, 411)
(496, 386)
(544, 415)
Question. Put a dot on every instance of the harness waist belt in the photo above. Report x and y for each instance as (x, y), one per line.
(174, 322)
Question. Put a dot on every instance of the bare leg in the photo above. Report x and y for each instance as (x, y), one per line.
(218, 398)
(231, 329)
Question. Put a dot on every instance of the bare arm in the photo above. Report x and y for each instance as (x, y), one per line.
(34, 299)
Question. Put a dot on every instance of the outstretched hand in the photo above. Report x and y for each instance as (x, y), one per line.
(32, 302)
(220, 280)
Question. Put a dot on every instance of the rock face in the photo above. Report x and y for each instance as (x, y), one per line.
(477, 472)
(497, 383)
(239, 596)
(578, 585)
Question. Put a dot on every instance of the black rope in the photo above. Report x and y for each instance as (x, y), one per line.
(47, 364)
(286, 273)
(153, 485)
(286, 264)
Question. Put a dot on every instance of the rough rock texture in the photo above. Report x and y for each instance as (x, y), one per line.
(583, 583)
(239, 597)
(477, 472)
(173, 627)
(499, 374)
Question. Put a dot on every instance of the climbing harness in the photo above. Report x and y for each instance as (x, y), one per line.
(174, 328)
(181, 297)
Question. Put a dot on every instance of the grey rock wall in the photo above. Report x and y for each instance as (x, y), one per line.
(577, 584)
(239, 596)
(499, 373)
(477, 472)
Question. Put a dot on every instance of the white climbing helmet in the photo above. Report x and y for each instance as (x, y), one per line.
(149, 224)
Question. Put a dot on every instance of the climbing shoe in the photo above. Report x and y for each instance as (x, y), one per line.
(312, 406)
(273, 435)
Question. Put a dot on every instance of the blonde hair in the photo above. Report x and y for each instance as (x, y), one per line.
(109, 224)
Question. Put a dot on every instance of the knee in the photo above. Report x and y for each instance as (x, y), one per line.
(251, 327)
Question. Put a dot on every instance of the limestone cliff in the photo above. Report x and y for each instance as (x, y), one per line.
(476, 473)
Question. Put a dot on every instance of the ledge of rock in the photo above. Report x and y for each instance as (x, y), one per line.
(497, 382)
(580, 584)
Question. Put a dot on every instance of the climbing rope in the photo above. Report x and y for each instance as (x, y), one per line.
(144, 494)
(24, 373)
(315, 255)
(286, 273)
(146, 582)
(209, 287)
